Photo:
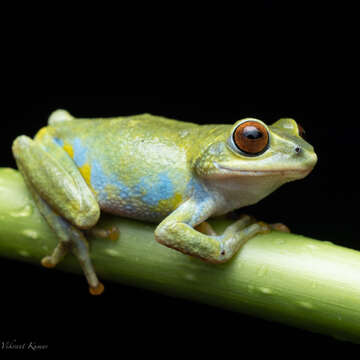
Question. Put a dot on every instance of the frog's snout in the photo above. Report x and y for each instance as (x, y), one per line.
(307, 157)
(314, 159)
(310, 159)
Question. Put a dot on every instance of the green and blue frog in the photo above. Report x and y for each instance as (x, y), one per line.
(176, 174)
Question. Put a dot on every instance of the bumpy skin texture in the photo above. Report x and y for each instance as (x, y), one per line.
(155, 169)
(137, 167)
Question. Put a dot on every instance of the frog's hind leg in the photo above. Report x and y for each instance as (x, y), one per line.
(71, 238)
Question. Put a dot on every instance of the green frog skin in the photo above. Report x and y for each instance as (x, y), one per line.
(173, 173)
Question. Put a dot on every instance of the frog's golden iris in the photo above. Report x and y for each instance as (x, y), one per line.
(251, 137)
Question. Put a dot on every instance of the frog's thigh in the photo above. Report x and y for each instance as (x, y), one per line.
(57, 180)
(70, 237)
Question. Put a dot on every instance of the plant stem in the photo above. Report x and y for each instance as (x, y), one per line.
(288, 278)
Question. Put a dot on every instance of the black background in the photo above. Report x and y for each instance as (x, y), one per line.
(299, 63)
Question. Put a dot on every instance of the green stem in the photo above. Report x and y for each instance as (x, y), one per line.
(284, 277)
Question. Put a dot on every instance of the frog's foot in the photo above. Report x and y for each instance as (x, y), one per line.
(95, 287)
(274, 226)
(207, 229)
(236, 235)
(78, 245)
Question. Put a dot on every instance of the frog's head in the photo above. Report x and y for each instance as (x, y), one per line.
(257, 157)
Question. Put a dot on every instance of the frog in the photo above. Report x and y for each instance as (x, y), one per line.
(173, 173)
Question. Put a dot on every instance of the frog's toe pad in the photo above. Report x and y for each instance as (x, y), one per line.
(47, 262)
(280, 227)
(97, 290)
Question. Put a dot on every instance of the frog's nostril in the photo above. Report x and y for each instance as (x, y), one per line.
(298, 149)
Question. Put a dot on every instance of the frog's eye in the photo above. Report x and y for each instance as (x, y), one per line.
(251, 137)
(301, 131)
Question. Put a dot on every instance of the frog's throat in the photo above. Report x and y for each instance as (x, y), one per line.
(283, 172)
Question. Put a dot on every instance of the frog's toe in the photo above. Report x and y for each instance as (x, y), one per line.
(265, 226)
(206, 228)
(48, 262)
(280, 227)
(96, 290)
(58, 254)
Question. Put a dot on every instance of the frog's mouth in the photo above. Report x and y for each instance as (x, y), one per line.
(282, 172)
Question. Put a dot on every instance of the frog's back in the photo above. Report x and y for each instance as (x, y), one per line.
(138, 166)
(142, 122)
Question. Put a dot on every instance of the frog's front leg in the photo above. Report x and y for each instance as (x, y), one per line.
(177, 232)
(63, 198)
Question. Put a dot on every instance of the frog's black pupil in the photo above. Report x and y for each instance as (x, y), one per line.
(251, 132)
